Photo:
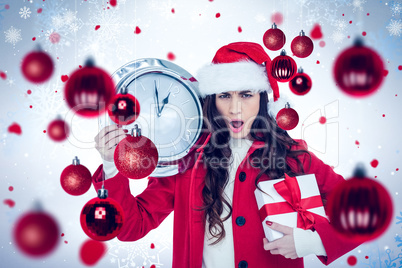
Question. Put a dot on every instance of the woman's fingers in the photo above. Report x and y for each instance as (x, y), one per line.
(104, 131)
(114, 141)
(111, 135)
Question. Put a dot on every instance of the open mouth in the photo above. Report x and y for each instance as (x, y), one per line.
(236, 125)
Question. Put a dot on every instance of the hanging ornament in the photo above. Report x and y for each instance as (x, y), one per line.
(360, 208)
(359, 70)
(300, 83)
(89, 90)
(37, 66)
(124, 108)
(58, 130)
(136, 156)
(92, 251)
(102, 218)
(274, 38)
(302, 46)
(287, 118)
(76, 179)
(283, 67)
(36, 233)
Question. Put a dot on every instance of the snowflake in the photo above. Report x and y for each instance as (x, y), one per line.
(10, 82)
(396, 8)
(395, 27)
(318, 11)
(58, 21)
(399, 218)
(13, 35)
(357, 5)
(340, 24)
(70, 16)
(338, 37)
(25, 12)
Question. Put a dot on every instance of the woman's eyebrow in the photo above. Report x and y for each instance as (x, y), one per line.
(245, 91)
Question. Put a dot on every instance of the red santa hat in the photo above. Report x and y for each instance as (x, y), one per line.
(236, 67)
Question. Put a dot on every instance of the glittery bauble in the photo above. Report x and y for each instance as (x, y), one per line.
(124, 109)
(274, 38)
(359, 70)
(136, 157)
(300, 84)
(283, 68)
(76, 179)
(89, 90)
(302, 46)
(37, 67)
(92, 251)
(360, 208)
(58, 130)
(36, 234)
(287, 118)
(102, 219)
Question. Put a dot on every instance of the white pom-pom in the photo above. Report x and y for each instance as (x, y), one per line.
(275, 107)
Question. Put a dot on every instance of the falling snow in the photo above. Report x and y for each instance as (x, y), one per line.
(395, 27)
(25, 12)
(357, 5)
(338, 37)
(396, 8)
(318, 11)
(340, 24)
(13, 35)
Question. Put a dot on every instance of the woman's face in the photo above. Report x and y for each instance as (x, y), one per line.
(239, 109)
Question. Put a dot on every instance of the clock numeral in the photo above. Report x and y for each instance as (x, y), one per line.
(175, 91)
(174, 145)
(187, 136)
(143, 86)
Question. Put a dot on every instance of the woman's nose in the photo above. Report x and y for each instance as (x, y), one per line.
(235, 106)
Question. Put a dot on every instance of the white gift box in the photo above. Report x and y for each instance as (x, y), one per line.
(308, 189)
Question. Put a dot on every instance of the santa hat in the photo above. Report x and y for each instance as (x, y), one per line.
(236, 67)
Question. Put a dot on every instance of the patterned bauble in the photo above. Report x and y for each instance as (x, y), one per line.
(89, 90)
(37, 66)
(124, 109)
(360, 208)
(136, 156)
(287, 118)
(58, 130)
(76, 179)
(302, 46)
(36, 233)
(301, 83)
(359, 70)
(102, 218)
(283, 67)
(274, 38)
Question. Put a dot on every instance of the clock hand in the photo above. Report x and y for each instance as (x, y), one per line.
(157, 99)
(165, 101)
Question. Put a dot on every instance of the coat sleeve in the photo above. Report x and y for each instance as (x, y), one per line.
(143, 212)
(334, 244)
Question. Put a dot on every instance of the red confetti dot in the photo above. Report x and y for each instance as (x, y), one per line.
(277, 17)
(55, 91)
(44, 131)
(400, 67)
(368, 14)
(29, 91)
(375, 177)
(92, 251)
(374, 163)
(33, 38)
(383, 115)
(80, 66)
(218, 15)
(397, 169)
(318, 62)
(350, 22)
(173, 10)
(3, 75)
(239, 29)
(9, 203)
(322, 120)
(30, 106)
(97, 27)
(64, 78)
(15, 128)
(364, 33)
(39, 10)
(352, 260)
(385, 72)
(357, 142)
(366, 256)
(113, 3)
(343, 14)
(211, 0)
(137, 30)
(11, 188)
(65, 242)
(171, 56)
(322, 43)
(316, 32)
(152, 245)
(62, 234)
(7, 6)
(349, 36)
(153, 266)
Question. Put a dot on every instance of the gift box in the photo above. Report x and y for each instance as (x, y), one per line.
(293, 201)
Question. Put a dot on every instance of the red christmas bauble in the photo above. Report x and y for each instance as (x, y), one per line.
(302, 46)
(274, 38)
(287, 118)
(360, 208)
(301, 83)
(136, 156)
(92, 251)
(124, 109)
(36, 234)
(283, 67)
(37, 67)
(102, 219)
(359, 70)
(76, 179)
(89, 90)
(58, 130)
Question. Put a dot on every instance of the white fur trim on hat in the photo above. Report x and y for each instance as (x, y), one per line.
(235, 76)
(275, 106)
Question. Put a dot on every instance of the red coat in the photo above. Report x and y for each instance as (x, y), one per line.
(183, 191)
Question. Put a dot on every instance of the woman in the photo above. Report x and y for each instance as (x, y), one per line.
(216, 219)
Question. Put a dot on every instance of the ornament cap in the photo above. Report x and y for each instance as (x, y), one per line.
(76, 161)
(283, 52)
(124, 90)
(90, 62)
(136, 131)
(300, 70)
(102, 193)
(287, 105)
(274, 26)
(302, 33)
(360, 171)
(358, 42)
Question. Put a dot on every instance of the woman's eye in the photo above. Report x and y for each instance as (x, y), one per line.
(247, 95)
(223, 96)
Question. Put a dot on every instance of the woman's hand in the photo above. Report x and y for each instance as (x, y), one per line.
(285, 245)
(107, 140)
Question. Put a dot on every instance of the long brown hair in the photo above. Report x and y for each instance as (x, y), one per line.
(271, 159)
